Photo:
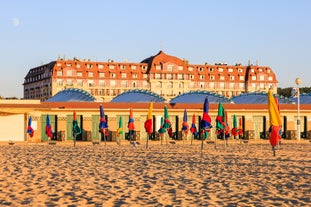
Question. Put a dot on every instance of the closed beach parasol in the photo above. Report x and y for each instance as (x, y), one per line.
(148, 123)
(30, 130)
(185, 126)
(75, 128)
(193, 128)
(48, 127)
(234, 130)
(102, 123)
(275, 121)
(120, 130)
(130, 124)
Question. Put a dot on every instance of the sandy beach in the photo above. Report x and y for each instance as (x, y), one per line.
(39, 174)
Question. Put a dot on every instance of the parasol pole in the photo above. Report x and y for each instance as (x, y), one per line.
(104, 136)
(273, 149)
(147, 141)
(192, 137)
(74, 140)
(202, 142)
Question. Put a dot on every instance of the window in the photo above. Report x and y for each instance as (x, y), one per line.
(113, 83)
(231, 85)
(201, 77)
(145, 76)
(253, 77)
(101, 75)
(111, 66)
(134, 75)
(222, 77)
(262, 77)
(202, 85)
(122, 67)
(240, 70)
(69, 82)
(123, 75)
(69, 72)
(241, 85)
(180, 76)
(201, 69)
(133, 67)
(230, 70)
(170, 85)
(145, 84)
(158, 67)
(220, 70)
(123, 83)
(180, 68)
(102, 83)
(112, 75)
(170, 67)
(191, 85)
(191, 77)
(144, 67)
(135, 85)
(190, 68)
(270, 78)
(157, 76)
(211, 69)
(221, 85)
(90, 83)
(90, 74)
(231, 77)
(59, 73)
(68, 64)
(89, 66)
(169, 76)
(59, 82)
(100, 66)
(241, 78)
(212, 85)
(212, 77)
(79, 74)
(59, 64)
(79, 82)
(78, 66)
(181, 85)
(262, 85)
(158, 85)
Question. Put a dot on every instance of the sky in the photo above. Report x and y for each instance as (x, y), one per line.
(274, 33)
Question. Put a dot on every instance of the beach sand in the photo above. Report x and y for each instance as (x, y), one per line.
(39, 174)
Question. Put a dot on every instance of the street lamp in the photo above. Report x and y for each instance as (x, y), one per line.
(298, 82)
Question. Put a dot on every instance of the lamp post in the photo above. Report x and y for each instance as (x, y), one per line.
(298, 82)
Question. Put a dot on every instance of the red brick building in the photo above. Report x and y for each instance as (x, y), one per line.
(163, 74)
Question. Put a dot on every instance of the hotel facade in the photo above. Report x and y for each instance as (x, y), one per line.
(166, 75)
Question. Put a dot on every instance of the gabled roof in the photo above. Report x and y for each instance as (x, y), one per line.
(199, 97)
(161, 58)
(72, 95)
(138, 96)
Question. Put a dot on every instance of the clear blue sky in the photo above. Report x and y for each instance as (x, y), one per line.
(276, 33)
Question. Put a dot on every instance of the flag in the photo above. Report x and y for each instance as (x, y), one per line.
(185, 126)
(275, 119)
(193, 127)
(30, 130)
(75, 128)
(48, 127)
(148, 122)
(130, 124)
(234, 130)
(120, 130)
(206, 119)
(102, 121)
